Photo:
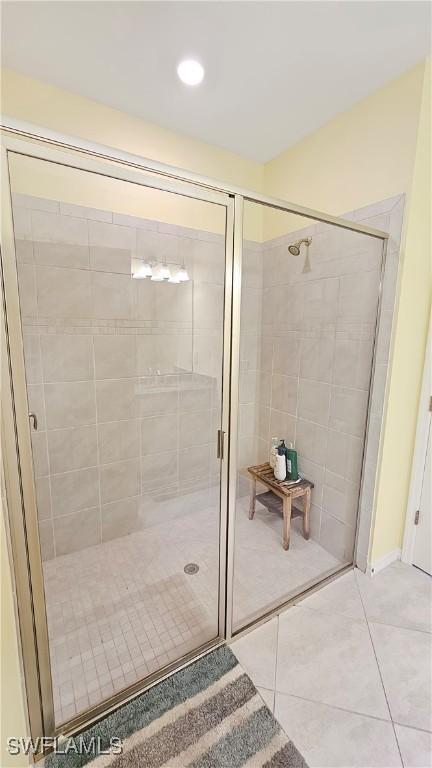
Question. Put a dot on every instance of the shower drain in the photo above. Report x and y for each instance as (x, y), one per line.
(191, 568)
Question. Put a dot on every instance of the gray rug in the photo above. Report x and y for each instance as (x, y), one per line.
(208, 715)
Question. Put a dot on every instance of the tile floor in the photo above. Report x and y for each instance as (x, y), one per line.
(347, 671)
(264, 573)
(120, 610)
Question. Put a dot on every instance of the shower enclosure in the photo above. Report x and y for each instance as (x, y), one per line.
(160, 333)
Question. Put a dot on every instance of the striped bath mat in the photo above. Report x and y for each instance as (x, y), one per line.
(208, 715)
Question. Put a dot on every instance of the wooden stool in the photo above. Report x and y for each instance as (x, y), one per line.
(287, 490)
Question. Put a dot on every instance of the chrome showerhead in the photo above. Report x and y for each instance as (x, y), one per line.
(294, 248)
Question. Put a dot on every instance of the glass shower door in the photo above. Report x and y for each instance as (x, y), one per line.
(121, 290)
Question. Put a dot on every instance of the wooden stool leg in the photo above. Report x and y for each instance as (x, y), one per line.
(306, 514)
(286, 521)
(252, 499)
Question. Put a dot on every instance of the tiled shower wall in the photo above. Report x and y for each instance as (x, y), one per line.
(307, 357)
(124, 375)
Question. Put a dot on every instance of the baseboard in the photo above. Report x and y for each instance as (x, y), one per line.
(383, 562)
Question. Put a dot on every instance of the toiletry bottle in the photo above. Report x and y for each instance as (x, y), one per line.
(273, 451)
(280, 466)
(291, 460)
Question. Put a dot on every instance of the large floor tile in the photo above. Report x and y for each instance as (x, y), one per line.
(400, 595)
(268, 697)
(415, 747)
(404, 657)
(332, 738)
(341, 596)
(329, 658)
(256, 653)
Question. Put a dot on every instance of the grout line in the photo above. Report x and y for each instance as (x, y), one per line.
(381, 677)
(276, 659)
(334, 706)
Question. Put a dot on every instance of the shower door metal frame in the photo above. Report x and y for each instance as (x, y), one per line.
(24, 138)
(16, 442)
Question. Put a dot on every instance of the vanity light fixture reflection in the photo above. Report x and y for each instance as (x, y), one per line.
(158, 272)
(182, 275)
(141, 270)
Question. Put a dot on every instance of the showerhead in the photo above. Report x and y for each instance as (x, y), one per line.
(294, 248)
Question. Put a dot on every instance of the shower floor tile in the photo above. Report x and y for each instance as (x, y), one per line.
(120, 610)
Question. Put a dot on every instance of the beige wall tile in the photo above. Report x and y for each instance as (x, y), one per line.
(119, 480)
(111, 235)
(46, 539)
(119, 440)
(358, 295)
(84, 212)
(173, 303)
(53, 227)
(70, 404)
(194, 462)
(353, 363)
(282, 426)
(43, 497)
(286, 351)
(143, 299)
(284, 393)
(67, 357)
(159, 433)
(40, 453)
(27, 290)
(72, 491)
(117, 399)
(77, 531)
(158, 469)
(348, 410)
(111, 296)
(32, 358)
(195, 428)
(72, 448)
(63, 292)
(315, 473)
(208, 262)
(22, 223)
(314, 401)
(120, 518)
(61, 255)
(152, 402)
(316, 359)
(311, 441)
(104, 259)
(337, 538)
(146, 353)
(115, 356)
(208, 301)
(24, 251)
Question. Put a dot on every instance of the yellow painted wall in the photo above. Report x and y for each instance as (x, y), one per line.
(360, 157)
(33, 101)
(410, 336)
(377, 149)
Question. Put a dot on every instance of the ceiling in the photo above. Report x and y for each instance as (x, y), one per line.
(275, 71)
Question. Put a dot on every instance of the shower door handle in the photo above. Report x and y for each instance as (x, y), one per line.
(220, 444)
(33, 417)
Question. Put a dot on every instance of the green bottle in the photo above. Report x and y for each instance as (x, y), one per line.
(291, 460)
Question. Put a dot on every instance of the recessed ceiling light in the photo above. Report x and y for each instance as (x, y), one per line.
(190, 72)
